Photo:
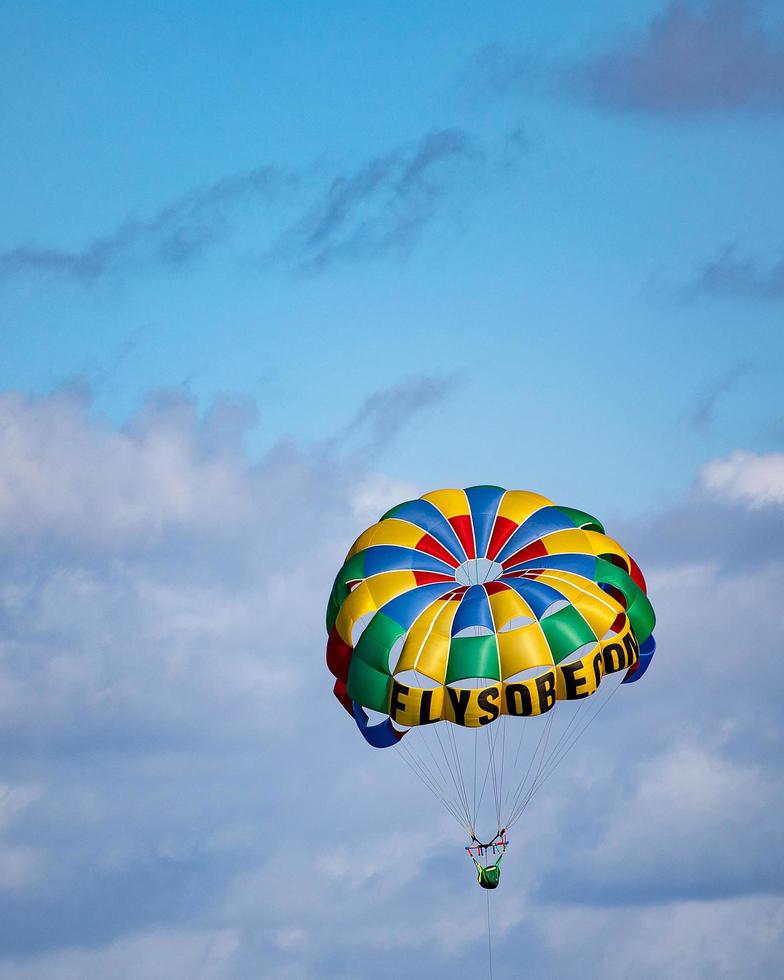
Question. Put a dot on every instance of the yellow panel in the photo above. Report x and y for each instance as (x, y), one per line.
(391, 531)
(596, 606)
(451, 503)
(517, 505)
(472, 707)
(601, 544)
(420, 630)
(476, 707)
(370, 595)
(411, 706)
(585, 674)
(434, 653)
(569, 541)
(387, 585)
(523, 648)
(572, 578)
(363, 541)
(523, 698)
(577, 678)
(508, 605)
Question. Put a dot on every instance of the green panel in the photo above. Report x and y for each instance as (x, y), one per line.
(367, 686)
(641, 616)
(566, 631)
(472, 656)
(580, 519)
(352, 571)
(611, 574)
(377, 640)
(638, 605)
(333, 608)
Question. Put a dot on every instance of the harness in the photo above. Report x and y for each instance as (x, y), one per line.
(490, 875)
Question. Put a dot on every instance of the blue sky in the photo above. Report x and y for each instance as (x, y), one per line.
(555, 234)
(266, 269)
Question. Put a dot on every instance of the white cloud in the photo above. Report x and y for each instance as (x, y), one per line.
(291, 937)
(20, 866)
(691, 796)
(681, 579)
(63, 476)
(729, 939)
(377, 857)
(376, 494)
(155, 955)
(15, 799)
(162, 577)
(753, 479)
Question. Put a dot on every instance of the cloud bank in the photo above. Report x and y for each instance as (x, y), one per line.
(181, 796)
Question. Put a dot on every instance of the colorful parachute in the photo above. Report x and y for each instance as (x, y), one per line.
(476, 606)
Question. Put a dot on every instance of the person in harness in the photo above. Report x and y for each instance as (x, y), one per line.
(488, 876)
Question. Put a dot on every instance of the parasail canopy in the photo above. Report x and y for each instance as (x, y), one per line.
(530, 602)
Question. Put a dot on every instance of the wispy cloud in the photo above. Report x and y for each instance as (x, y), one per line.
(382, 206)
(691, 58)
(180, 232)
(383, 415)
(703, 411)
(315, 216)
(499, 70)
(730, 274)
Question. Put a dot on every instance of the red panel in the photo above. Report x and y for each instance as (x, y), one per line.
(458, 594)
(618, 623)
(637, 576)
(425, 578)
(464, 529)
(338, 655)
(502, 531)
(342, 695)
(432, 547)
(533, 550)
(492, 587)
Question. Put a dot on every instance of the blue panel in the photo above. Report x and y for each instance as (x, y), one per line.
(483, 502)
(405, 608)
(430, 519)
(380, 736)
(647, 651)
(542, 522)
(538, 595)
(584, 565)
(390, 557)
(474, 610)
